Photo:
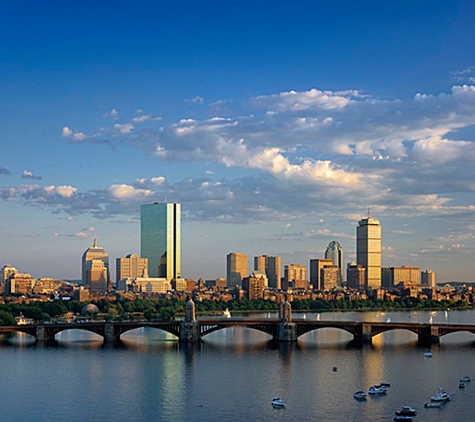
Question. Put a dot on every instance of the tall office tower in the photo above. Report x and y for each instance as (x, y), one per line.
(316, 266)
(260, 263)
(295, 275)
(355, 276)
(98, 254)
(96, 276)
(329, 276)
(368, 250)
(428, 277)
(160, 239)
(335, 253)
(131, 267)
(8, 271)
(236, 268)
(272, 265)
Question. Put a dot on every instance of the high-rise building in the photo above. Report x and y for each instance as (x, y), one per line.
(97, 279)
(131, 267)
(316, 266)
(368, 250)
(160, 239)
(272, 265)
(95, 253)
(428, 277)
(8, 271)
(355, 276)
(392, 276)
(254, 286)
(329, 276)
(335, 253)
(236, 268)
(295, 276)
(19, 283)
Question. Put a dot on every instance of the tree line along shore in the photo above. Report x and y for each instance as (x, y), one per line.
(171, 308)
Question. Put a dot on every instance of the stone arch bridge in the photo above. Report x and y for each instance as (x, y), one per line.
(194, 331)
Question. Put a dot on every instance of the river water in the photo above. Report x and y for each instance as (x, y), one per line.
(234, 373)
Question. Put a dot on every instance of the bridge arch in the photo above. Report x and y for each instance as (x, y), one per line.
(327, 335)
(462, 334)
(206, 329)
(162, 329)
(63, 331)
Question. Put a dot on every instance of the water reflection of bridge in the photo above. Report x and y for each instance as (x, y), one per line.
(194, 331)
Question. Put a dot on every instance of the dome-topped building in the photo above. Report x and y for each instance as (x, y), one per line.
(90, 309)
(95, 268)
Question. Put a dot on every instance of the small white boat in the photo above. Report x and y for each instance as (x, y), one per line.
(433, 404)
(428, 354)
(226, 313)
(465, 379)
(406, 411)
(360, 395)
(278, 402)
(377, 390)
(441, 396)
(461, 385)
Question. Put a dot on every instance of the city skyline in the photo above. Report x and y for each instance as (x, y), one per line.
(274, 133)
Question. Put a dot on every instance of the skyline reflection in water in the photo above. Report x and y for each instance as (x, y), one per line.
(234, 373)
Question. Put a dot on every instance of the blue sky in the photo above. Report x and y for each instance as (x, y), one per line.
(274, 124)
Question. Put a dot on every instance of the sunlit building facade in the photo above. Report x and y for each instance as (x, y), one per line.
(316, 266)
(236, 268)
(272, 265)
(368, 250)
(160, 239)
(131, 267)
(355, 276)
(295, 276)
(428, 278)
(392, 276)
(95, 253)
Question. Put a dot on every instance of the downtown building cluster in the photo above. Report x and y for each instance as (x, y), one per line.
(157, 270)
(329, 273)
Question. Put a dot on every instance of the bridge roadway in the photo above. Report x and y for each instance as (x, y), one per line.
(362, 332)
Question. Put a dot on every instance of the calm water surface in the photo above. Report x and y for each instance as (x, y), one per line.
(235, 373)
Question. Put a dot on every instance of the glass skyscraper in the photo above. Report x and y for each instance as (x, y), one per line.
(335, 253)
(160, 239)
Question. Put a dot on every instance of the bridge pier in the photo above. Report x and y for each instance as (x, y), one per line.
(429, 336)
(42, 334)
(110, 334)
(364, 334)
(189, 332)
(286, 331)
